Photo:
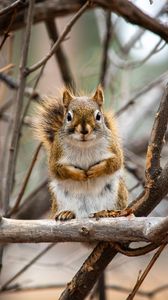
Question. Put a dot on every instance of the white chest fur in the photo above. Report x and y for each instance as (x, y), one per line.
(85, 197)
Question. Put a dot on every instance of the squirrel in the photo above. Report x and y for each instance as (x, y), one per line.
(85, 158)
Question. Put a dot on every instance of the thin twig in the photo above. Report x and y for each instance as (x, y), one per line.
(19, 103)
(60, 55)
(25, 182)
(106, 44)
(146, 271)
(9, 8)
(138, 34)
(6, 33)
(7, 68)
(136, 64)
(131, 252)
(22, 119)
(5, 106)
(36, 203)
(27, 266)
(142, 91)
(13, 84)
(147, 294)
(64, 33)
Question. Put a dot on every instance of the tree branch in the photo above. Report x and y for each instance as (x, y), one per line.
(27, 266)
(153, 168)
(106, 229)
(56, 8)
(146, 271)
(25, 182)
(60, 55)
(19, 103)
(134, 15)
(9, 8)
(106, 44)
(56, 45)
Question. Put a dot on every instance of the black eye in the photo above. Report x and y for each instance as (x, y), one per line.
(69, 116)
(97, 115)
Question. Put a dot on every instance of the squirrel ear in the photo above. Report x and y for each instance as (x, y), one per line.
(99, 96)
(67, 97)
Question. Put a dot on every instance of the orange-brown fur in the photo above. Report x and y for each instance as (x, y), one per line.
(49, 122)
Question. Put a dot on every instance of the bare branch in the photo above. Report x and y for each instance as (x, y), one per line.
(8, 9)
(145, 273)
(56, 45)
(56, 8)
(60, 55)
(25, 182)
(142, 91)
(12, 84)
(27, 266)
(106, 229)
(36, 204)
(156, 186)
(106, 44)
(19, 102)
(153, 168)
(132, 252)
(138, 34)
(135, 16)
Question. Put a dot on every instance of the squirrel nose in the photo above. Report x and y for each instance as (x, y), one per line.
(84, 131)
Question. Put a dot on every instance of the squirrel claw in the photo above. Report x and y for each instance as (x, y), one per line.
(65, 215)
(111, 213)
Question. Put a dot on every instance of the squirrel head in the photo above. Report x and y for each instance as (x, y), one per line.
(83, 119)
(75, 118)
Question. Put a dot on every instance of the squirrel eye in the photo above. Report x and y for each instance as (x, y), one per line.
(69, 116)
(97, 115)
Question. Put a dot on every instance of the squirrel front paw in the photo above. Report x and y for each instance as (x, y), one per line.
(96, 170)
(65, 215)
(76, 174)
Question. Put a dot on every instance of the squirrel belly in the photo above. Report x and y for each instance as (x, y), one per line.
(92, 195)
(84, 198)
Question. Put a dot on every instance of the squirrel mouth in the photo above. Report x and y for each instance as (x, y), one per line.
(82, 138)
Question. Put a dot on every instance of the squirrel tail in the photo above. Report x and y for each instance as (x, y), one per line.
(49, 118)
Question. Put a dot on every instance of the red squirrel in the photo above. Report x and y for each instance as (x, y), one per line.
(85, 158)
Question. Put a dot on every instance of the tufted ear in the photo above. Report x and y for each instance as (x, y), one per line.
(67, 97)
(99, 96)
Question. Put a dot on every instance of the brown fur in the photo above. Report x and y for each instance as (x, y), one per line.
(49, 125)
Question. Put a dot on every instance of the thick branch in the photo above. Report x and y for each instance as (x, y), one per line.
(87, 230)
(157, 138)
(55, 8)
(134, 15)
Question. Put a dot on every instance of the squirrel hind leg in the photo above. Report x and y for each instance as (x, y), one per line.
(122, 202)
(111, 213)
(65, 215)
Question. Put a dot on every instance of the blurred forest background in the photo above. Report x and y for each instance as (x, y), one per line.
(136, 73)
